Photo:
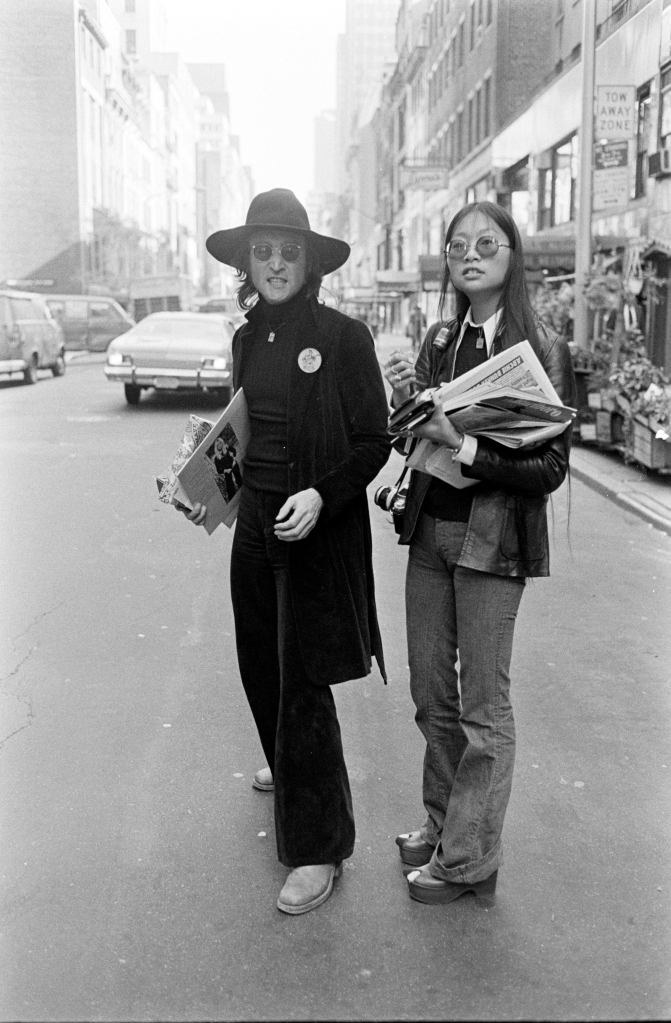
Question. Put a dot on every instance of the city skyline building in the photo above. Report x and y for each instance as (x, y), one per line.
(99, 182)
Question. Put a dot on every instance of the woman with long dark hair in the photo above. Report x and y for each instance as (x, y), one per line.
(471, 548)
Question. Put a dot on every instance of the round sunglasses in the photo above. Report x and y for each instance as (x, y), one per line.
(289, 252)
(486, 246)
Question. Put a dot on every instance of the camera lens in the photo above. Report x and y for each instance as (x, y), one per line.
(384, 496)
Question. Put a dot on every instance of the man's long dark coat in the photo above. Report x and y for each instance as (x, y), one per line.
(337, 442)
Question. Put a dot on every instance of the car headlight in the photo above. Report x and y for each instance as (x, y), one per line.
(118, 359)
(218, 362)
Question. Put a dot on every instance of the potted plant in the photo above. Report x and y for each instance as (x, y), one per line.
(643, 393)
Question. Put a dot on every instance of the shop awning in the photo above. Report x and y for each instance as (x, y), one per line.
(431, 272)
(360, 295)
(555, 252)
(657, 247)
(406, 281)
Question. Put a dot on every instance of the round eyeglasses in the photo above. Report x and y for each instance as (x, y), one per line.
(486, 246)
(289, 252)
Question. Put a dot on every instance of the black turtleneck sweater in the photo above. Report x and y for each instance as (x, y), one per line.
(265, 382)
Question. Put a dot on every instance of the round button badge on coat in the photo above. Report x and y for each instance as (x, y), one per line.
(309, 360)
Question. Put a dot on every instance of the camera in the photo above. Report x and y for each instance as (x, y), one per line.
(393, 499)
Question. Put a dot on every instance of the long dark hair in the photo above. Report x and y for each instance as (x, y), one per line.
(246, 293)
(518, 320)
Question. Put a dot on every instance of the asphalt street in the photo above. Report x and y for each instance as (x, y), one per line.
(139, 874)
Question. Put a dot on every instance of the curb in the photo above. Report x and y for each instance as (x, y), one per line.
(623, 500)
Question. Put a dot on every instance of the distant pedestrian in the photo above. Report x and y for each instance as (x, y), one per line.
(374, 322)
(470, 552)
(416, 327)
(301, 565)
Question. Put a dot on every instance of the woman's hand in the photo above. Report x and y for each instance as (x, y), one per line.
(298, 515)
(439, 429)
(400, 372)
(197, 515)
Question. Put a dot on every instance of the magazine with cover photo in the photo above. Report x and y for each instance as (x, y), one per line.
(208, 467)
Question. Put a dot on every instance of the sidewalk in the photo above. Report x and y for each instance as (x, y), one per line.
(631, 486)
(645, 493)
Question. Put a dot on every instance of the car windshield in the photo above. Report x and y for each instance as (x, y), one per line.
(182, 329)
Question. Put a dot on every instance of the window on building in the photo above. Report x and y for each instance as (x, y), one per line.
(478, 116)
(665, 110)
(490, 12)
(471, 124)
(130, 6)
(558, 173)
(131, 41)
(486, 108)
(460, 135)
(643, 125)
(515, 195)
(471, 34)
(401, 126)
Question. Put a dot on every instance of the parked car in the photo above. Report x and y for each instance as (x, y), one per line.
(172, 352)
(89, 321)
(227, 306)
(30, 338)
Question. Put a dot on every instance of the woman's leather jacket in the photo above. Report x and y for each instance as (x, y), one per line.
(507, 530)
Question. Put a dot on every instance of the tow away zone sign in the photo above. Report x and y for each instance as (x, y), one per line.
(615, 112)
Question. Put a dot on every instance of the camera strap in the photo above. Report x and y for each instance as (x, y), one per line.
(402, 476)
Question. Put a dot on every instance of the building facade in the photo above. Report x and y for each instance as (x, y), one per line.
(484, 101)
(100, 182)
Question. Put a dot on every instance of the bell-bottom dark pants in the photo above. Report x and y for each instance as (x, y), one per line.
(296, 719)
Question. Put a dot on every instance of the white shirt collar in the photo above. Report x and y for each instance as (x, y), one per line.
(489, 328)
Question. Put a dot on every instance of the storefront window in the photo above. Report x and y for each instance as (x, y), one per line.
(515, 195)
(665, 111)
(557, 184)
(642, 140)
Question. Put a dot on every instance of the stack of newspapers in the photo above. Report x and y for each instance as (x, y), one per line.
(509, 399)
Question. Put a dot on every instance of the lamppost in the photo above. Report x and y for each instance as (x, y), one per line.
(583, 239)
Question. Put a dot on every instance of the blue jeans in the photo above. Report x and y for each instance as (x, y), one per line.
(465, 715)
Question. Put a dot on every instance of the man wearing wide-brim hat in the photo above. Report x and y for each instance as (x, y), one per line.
(301, 564)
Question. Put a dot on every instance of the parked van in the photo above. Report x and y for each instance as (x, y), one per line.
(89, 321)
(30, 338)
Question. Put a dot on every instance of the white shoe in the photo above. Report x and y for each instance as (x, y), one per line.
(263, 780)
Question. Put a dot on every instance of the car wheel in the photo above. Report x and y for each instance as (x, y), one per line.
(132, 392)
(30, 372)
(58, 367)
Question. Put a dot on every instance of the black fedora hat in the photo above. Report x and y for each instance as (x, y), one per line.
(278, 209)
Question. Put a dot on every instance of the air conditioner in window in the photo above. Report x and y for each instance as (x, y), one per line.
(659, 164)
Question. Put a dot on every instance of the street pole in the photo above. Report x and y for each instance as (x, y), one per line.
(583, 239)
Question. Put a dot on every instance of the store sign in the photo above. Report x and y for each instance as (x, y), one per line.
(611, 175)
(615, 112)
(425, 179)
